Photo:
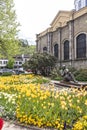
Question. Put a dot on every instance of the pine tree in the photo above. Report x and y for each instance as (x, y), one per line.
(8, 29)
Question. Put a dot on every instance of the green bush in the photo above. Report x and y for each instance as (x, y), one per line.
(41, 62)
(55, 74)
(10, 64)
(7, 74)
(72, 69)
(81, 75)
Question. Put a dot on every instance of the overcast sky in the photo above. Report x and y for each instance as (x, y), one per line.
(36, 15)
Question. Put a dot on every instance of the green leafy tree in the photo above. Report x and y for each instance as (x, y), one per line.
(42, 62)
(10, 63)
(25, 48)
(32, 49)
(8, 29)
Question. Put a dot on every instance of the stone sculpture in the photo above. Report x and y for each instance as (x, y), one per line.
(67, 75)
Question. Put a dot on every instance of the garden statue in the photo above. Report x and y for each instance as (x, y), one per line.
(67, 75)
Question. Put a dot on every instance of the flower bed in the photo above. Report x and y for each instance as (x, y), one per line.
(23, 99)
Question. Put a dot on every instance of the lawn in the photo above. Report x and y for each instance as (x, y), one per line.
(24, 100)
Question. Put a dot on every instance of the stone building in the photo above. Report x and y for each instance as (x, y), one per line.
(66, 38)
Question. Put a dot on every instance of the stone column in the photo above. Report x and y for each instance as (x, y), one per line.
(40, 49)
(48, 42)
(71, 42)
(38, 43)
(60, 46)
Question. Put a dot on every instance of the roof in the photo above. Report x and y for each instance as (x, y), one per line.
(61, 19)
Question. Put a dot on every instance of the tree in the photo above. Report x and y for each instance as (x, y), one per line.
(8, 29)
(25, 48)
(10, 64)
(42, 62)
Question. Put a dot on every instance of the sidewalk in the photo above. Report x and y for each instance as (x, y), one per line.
(13, 126)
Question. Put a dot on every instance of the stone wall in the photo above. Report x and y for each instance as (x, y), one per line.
(80, 25)
(69, 32)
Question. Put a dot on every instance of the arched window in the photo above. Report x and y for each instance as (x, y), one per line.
(56, 50)
(66, 50)
(45, 49)
(81, 46)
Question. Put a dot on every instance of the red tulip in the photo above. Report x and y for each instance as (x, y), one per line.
(1, 123)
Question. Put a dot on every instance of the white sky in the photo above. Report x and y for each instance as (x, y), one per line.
(36, 15)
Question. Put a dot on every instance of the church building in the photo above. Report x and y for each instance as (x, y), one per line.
(66, 38)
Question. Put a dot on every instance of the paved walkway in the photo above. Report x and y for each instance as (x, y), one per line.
(13, 126)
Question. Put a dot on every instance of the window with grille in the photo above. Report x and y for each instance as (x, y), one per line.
(66, 50)
(56, 50)
(81, 46)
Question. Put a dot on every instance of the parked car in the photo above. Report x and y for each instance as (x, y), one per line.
(5, 70)
(29, 71)
(20, 71)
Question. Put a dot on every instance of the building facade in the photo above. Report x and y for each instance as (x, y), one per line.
(19, 60)
(66, 38)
